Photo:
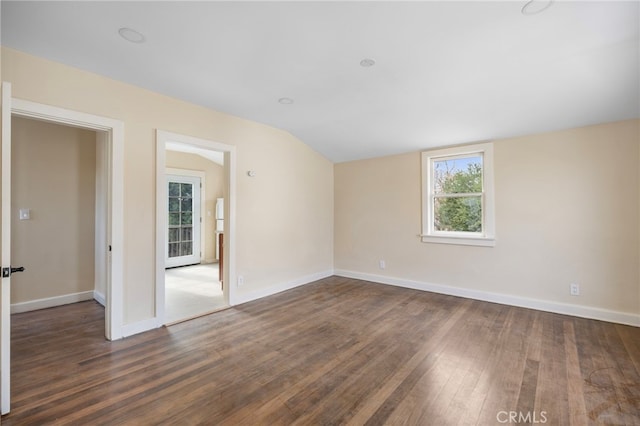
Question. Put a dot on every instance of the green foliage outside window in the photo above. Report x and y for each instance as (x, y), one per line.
(458, 195)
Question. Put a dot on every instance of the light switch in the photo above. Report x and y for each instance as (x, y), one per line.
(25, 214)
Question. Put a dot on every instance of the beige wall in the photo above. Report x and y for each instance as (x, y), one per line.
(53, 174)
(567, 209)
(284, 214)
(214, 188)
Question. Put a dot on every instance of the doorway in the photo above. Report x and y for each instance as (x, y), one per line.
(59, 215)
(197, 286)
(110, 165)
(194, 181)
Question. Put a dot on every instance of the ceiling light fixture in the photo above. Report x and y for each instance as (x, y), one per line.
(367, 62)
(533, 7)
(131, 35)
(285, 101)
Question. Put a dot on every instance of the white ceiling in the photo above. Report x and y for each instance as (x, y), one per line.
(445, 73)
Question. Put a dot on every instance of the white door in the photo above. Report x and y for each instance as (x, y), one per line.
(183, 221)
(5, 297)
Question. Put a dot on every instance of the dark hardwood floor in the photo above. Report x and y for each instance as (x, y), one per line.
(338, 351)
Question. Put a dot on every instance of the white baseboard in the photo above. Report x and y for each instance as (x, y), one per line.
(504, 299)
(258, 294)
(100, 298)
(50, 302)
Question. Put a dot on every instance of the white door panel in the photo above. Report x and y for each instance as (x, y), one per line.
(5, 297)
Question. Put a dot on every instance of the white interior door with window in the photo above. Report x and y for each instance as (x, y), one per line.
(183, 221)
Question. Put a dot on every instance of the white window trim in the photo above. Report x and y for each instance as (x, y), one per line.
(487, 236)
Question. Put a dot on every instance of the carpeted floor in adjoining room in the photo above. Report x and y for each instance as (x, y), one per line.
(191, 291)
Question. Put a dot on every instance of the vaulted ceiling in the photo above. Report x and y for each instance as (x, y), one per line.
(443, 72)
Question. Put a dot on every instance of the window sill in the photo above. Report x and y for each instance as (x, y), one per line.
(461, 241)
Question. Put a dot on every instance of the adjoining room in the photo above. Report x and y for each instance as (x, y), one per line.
(195, 180)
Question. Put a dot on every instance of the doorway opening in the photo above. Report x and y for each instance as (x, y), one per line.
(195, 257)
(195, 190)
(109, 198)
(59, 220)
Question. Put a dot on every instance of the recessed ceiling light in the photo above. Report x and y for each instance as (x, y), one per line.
(285, 101)
(131, 35)
(367, 62)
(533, 7)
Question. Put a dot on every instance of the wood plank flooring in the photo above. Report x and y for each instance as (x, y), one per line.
(338, 351)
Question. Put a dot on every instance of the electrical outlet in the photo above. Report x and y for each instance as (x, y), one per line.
(382, 264)
(240, 280)
(575, 289)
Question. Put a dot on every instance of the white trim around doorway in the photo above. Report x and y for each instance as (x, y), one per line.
(114, 309)
(162, 138)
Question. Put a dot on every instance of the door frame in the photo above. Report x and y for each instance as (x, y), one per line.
(162, 138)
(114, 130)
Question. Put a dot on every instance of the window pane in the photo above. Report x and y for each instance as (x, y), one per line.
(461, 214)
(174, 235)
(174, 204)
(174, 219)
(186, 219)
(174, 189)
(187, 249)
(187, 233)
(187, 190)
(174, 250)
(458, 175)
(186, 204)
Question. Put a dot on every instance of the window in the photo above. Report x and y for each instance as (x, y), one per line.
(458, 195)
